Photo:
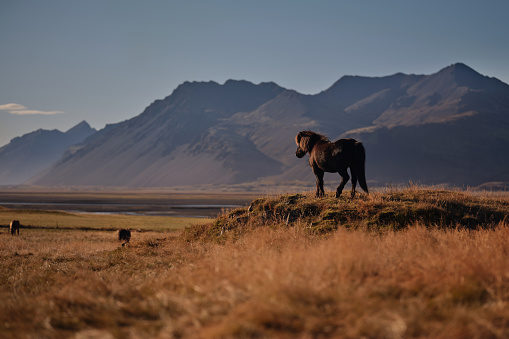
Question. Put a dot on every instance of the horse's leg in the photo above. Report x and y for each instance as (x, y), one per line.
(344, 180)
(353, 172)
(319, 182)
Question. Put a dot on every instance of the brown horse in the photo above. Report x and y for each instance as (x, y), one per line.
(124, 235)
(14, 227)
(334, 157)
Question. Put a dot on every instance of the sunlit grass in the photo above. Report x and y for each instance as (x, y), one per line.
(252, 274)
(381, 211)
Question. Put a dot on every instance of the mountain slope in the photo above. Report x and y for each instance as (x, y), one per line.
(447, 127)
(455, 130)
(25, 156)
(159, 147)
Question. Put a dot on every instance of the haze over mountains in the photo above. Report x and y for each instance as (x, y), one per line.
(448, 127)
(31, 153)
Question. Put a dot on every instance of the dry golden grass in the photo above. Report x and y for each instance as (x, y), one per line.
(280, 281)
(386, 210)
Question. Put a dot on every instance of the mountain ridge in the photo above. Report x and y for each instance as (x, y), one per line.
(239, 132)
(31, 153)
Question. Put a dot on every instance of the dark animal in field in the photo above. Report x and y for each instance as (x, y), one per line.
(334, 157)
(14, 227)
(124, 235)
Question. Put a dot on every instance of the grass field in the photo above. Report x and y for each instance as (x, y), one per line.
(45, 212)
(400, 263)
(63, 220)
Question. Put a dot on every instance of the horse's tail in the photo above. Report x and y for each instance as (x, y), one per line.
(360, 161)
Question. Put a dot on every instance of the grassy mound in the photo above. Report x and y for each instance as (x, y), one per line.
(392, 209)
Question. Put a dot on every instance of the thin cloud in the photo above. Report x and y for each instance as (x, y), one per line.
(12, 107)
(18, 109)
(29, 112)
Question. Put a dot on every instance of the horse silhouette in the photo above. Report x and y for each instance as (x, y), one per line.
(14, 227)
(334, 157)
(124, 235)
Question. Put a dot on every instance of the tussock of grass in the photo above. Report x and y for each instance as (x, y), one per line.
(379, 211)
(413, 280)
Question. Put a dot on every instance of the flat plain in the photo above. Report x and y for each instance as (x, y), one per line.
(113, 210)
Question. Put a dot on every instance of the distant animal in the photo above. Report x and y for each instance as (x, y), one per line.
(124, 235)
(327, 156)
(14, 227)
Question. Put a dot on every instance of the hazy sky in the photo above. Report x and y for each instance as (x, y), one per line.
(105, 61)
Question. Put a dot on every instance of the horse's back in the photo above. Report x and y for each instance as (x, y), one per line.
(344, 148)
(345, 143)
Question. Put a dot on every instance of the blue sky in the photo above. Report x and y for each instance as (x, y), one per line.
(103, 61)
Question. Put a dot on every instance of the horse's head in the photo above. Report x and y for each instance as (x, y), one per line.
(300, 150)
(299, 153)
(306, 140)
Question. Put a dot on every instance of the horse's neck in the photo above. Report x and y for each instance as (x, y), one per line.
(321, 142)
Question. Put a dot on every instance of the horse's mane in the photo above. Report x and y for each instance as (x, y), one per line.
(319, 136)
(323, 137)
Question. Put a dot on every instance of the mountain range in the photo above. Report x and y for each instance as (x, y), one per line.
(448, 127)
(31, 153)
